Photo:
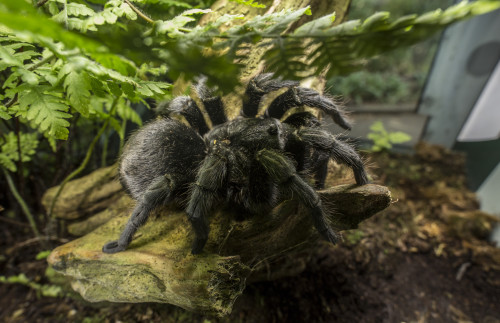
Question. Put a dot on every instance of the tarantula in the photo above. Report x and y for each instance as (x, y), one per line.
(245, 164)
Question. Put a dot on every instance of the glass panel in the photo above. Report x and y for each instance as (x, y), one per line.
(392, 81)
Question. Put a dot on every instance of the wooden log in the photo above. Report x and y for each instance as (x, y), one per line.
(158, 265)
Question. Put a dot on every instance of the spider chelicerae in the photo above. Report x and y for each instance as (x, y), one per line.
(246, 164)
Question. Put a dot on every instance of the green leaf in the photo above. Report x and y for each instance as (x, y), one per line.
(125, 112)
(9, 153)
(40, 105)
(51, 290)
(77, 9)
(250, 3)
(315, 26)
(22, 17)
(43, 254)
(28, 76)
(287, 18)
(4, 113)
(77, 85)
(399, 137)
(378, 126)
(171, 27)
(115, 89)
(127, 12)
(165, 3)
(7, 59)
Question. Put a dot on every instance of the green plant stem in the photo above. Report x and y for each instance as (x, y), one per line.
(122, 135)
(85, 160)
(104, 154)
(20, 176)
(23, 204)
(138, 12)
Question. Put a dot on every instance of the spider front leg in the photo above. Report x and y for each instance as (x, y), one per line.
(213, 104)
(282, 172)
(300, 96)
(211, 178)
(259, 86)
(325, 142)
(186, 107)
(158, 193)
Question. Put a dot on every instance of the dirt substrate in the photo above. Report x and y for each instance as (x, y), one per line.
(424, 259)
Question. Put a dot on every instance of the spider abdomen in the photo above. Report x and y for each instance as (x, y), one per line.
(162, 147)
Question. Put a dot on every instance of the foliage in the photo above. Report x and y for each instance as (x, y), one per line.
(383, 139)
(9, 154)
(364, 87)
(396, 76)
(250, 3)
(41, 290)
(43, 254)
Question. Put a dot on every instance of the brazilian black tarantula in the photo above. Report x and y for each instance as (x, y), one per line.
(244, 164)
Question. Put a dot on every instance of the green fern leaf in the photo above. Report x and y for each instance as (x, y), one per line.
(77, 85)
(171, 27)
(250, 3)
(125, 112)
(4, 113)
(315, 27)
(284, 58)
(168, 3)
(7, 59)
(44, 109)
(77, 9)
(286, 18)
(9, 149)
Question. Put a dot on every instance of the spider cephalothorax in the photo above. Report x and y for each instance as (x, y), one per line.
(245, 164)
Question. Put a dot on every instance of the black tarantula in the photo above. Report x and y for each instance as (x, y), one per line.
(244, 164)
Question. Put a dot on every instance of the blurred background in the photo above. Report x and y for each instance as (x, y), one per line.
(445, 91)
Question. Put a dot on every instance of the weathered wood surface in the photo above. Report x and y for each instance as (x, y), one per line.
(158, 265)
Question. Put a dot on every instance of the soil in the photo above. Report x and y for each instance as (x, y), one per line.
(425, 259)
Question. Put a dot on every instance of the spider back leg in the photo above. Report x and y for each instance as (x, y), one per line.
(211, 178)
(282, 172)
(186, 107)
(300, 96)
(325, 143)
(158, 193)
(213, 104)
(259, 86)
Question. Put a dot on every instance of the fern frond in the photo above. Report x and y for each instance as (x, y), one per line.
(47, 111)
(77, 85)
(9, 153)
(250, 3)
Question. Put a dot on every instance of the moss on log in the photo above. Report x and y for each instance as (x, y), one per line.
(158, 265)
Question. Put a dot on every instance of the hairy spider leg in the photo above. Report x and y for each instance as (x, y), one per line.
(325, 142)
(186, 107)
(320, 168)
(213, 104)
(211, 178)
(283, 173)
(259, 86)
(158, 193)
(300, 96)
